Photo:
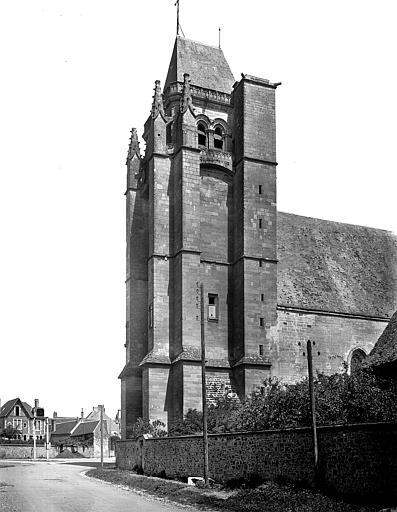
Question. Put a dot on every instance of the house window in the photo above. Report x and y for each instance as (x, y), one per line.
(260, 263)
(201, 135)
(213, 301)
(262, 297)
(259, 189)
(261, 321)
(260, 350)
(260, 223)
(218, 138)
(17, 410)
(150, 316)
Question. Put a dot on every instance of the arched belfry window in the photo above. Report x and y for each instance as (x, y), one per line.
(356, 360)
(218, 137)
(202, 134)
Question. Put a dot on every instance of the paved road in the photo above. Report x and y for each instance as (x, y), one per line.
(59, 487)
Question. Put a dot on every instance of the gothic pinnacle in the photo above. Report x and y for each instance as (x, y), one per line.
(157, 105)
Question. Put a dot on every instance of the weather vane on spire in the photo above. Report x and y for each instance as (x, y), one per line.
(178, 26)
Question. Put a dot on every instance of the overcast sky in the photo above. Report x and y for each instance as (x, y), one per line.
(76, 76)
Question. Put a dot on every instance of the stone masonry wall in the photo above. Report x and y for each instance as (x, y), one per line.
(333, 337)
(9, 451)
(354, 460)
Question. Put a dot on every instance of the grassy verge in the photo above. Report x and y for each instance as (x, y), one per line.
(268, 497)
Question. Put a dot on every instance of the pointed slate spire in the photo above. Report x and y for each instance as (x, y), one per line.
(186, 98)
(157, 105)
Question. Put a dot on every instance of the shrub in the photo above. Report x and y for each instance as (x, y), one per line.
(156, 428)
(340, 399)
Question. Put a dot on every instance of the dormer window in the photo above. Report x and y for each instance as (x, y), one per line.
(218, 138)
(202, 134)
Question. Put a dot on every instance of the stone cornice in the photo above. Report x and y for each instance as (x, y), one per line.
(341, 314)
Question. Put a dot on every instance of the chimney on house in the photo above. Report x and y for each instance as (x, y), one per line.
(55, 415)
(82, 414)
(36, 403)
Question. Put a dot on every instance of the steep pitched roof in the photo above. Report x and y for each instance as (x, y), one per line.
(64, 428)
(95, 414)
(8, 407)
(205, 64)
(337, 267)
(85, 427)
(385, 349)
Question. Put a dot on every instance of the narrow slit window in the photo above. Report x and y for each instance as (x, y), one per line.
(168, 133)
(260, 350)
(259, 189)
(150, 316)
(260, 223)
(262, 297)
(260, 263)
(261, 322)
(213, 307)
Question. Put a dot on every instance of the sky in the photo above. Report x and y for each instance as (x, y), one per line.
(76, 76)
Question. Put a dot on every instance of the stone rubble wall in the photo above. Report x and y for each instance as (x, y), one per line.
(354, 460)
(10, 451)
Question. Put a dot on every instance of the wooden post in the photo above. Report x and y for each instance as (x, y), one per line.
(313, 408)
(101, 427)
(47, 439)
(204, 391)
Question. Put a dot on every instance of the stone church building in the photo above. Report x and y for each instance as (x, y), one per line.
(202, 209)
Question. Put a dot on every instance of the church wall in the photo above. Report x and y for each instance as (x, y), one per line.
(215, 280)
(214, 219)
(260, 214)
(334, 337)
(259, 315)
(155, 381)
(137, 276)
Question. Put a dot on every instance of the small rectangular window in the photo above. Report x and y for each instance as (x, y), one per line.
(259, 189)
(262, 297)
(260, 350)
(150, 316)
(261, 321)
(213, 313)
(260, 223)
(17, 410)
(260, 263)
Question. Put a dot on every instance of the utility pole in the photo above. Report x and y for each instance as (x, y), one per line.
(204, 391)
(47, 439)
(101, 430)
(312, 407)
(34, 435)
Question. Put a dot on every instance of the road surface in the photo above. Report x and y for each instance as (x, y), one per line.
(61, 487)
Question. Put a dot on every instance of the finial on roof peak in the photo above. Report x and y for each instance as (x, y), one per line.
(186, 98)
(157, 105)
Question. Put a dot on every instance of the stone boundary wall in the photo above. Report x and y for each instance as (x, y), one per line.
(354, 460)
(15, 451)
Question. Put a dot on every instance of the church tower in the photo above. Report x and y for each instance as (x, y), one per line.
(201, 209)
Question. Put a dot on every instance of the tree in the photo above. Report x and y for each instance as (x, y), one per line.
(10, 432)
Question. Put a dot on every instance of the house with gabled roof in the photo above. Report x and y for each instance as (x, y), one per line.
(19, 415)
(82, 437)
